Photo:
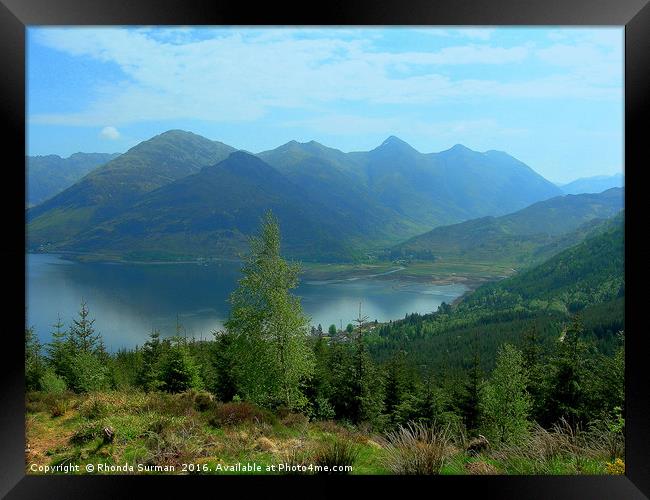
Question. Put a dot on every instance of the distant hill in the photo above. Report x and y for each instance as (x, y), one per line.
(526, 236)
(595, 184)
(588, 278)
(356, 202)
(450, 186)
(49, 175)
(213, 211)
(588, 273)
(114, 187)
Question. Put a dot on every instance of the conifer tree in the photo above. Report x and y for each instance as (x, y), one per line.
(82, 333)
(179, 371)
(149, 377)
(225, 384)
(470, 402)
(566, 393)
(34, 365)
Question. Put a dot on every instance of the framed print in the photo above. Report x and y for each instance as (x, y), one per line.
(365, 245)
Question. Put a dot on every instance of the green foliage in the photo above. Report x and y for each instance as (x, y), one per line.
(470, 398)
(82, 335)
(178, 371)
(149, 376)
(268, 326)
(85, 372)
(505, 402)
(417, 449)
(530, 235)
(332, 330)
(52, 383)
(225, 383)
(34, 363)
(337, 452)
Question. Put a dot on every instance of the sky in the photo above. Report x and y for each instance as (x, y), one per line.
(552, 96)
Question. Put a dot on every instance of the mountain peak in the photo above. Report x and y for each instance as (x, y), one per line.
(459, 148)
(394, 143)
(393, 140)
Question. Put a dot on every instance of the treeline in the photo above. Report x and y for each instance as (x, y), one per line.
(266, 356)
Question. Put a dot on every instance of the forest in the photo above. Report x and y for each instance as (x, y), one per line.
(521, 376)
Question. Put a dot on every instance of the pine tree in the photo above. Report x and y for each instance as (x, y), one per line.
(395, 385)
(366, 388)
(82, 334)
(59, 349)
(532, 352)
(470, 402)
(149, 377)
(225, 384)
(179, 371)
(34, 365)
(268, 325)
(566, 394)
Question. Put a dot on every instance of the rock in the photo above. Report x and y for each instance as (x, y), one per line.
(478, 445)
(109, 435)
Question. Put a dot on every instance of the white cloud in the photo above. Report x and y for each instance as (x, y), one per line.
(110, 133)
(238, 75)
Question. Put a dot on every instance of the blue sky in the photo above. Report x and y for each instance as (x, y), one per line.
(552, 97)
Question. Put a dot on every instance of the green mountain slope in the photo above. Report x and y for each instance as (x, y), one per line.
(450, 186)
(528, 235)
(211, 213)
(587, 278)
(372, 199)
(329, 177)
(49, 175)
(588, 273)
(112, 188)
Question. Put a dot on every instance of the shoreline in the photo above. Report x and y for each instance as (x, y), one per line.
(420, 272)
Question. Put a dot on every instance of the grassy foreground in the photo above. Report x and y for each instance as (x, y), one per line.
(191, 433)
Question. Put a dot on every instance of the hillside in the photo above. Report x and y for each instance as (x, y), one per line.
(109, 190)
(347, 204)
(594, 184)
(213, 211)
(450, 186)
(49, 175)
(528, 235)
(587, 278)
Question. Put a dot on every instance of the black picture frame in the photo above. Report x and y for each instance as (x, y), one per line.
(16, 15)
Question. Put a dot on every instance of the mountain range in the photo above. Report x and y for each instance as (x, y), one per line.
(180, 195)
(50, 174)
(596, 184)
(529, 235)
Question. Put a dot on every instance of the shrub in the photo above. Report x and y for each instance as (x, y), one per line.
(86, 373)
(336, 452)
(295, 420)
(93, 408)
(417, 449)
(616, 467)
(543, 449)
(86, 432)
(174, 445)
(58, 407)
(52, 383)
(200, 400)
(237, 413)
